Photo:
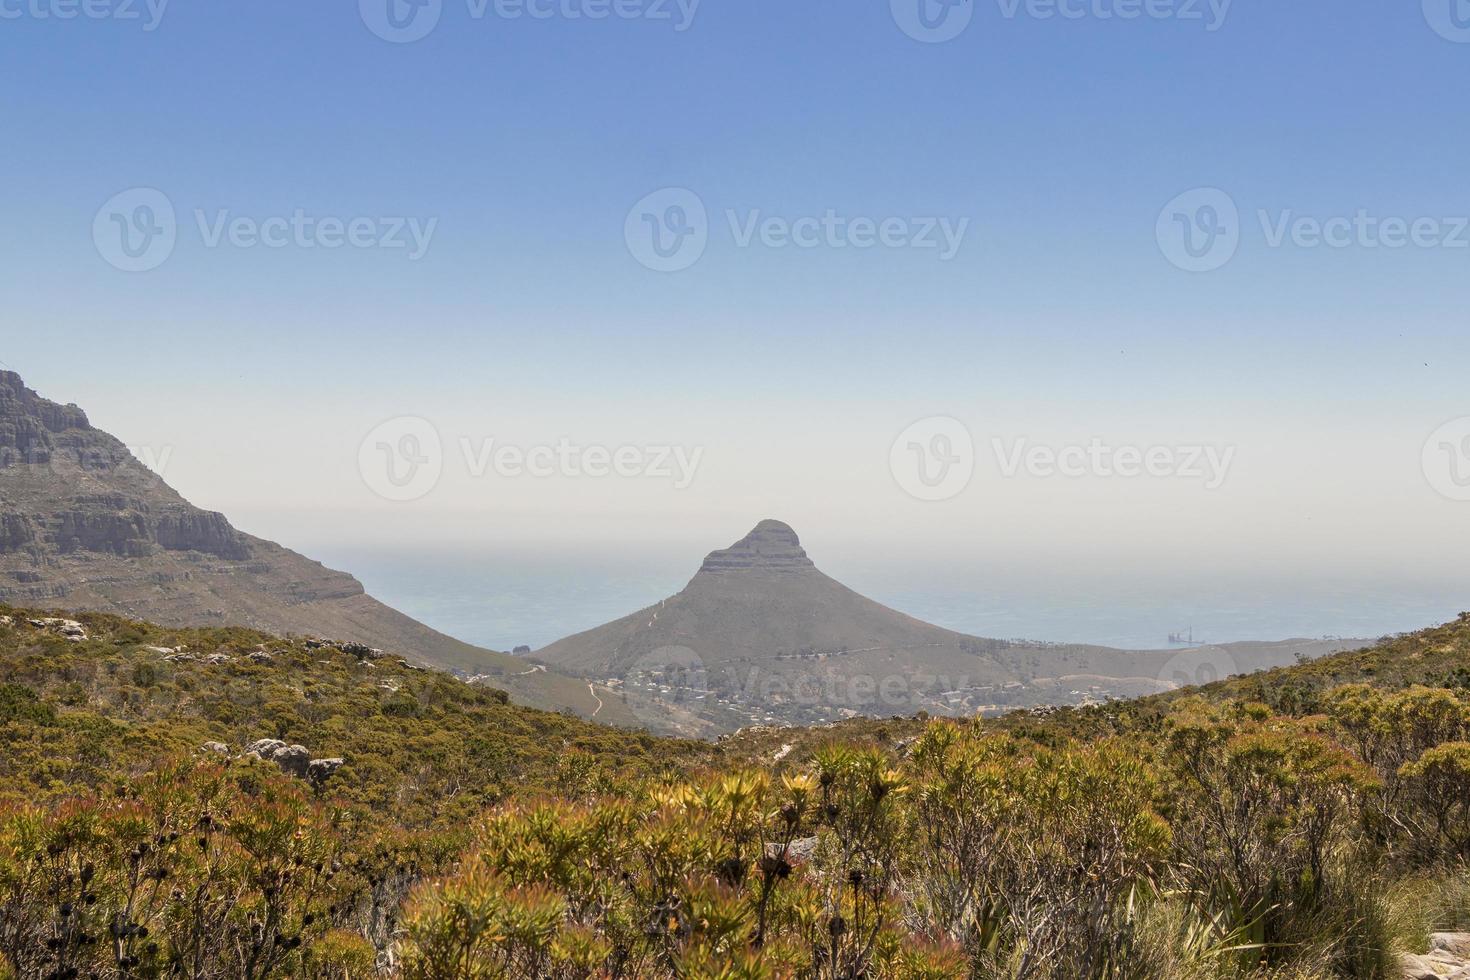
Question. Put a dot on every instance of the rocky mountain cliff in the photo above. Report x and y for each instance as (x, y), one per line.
(761, 636)
(84, 525)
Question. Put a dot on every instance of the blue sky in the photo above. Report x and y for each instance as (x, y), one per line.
(528, 141)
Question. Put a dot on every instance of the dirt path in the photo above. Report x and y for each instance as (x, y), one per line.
(592, 691)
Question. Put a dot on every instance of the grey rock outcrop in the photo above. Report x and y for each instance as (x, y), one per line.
(78, 490)
(772, 546)
(320, 770)
(798, 851)
(1448, 958)
(68, 629)
(294, 759)
(262, 748)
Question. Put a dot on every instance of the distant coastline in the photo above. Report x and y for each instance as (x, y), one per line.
(503, 599)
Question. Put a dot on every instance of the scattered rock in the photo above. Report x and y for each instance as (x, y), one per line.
(215, 659)
(408, 666)
(69, 629)
(320, 770)
(782, 752)
(1454, 943)
(6, 621)
(215, 748)
(182, 658)
(162, 651)
(259, 657)
(797, 852)
(293, 759)
(1416, 969)
(262, 748)
(359, 650)
(1448, 958)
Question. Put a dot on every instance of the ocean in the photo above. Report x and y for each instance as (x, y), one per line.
(503, 598)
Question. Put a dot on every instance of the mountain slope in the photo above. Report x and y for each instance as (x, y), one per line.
(761, 635)
(83, 701)
(85, 526)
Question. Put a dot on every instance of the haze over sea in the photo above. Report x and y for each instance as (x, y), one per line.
(504, 597)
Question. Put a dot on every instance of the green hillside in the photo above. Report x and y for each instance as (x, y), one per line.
(1300, 824)
(77, 716)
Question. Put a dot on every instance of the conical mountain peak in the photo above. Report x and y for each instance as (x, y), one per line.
(770, 545)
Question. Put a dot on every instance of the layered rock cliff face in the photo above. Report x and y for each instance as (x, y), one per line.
(68, 488)
(771, 546)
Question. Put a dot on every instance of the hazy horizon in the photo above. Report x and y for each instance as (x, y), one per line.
(506, 596)
(846, 269)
